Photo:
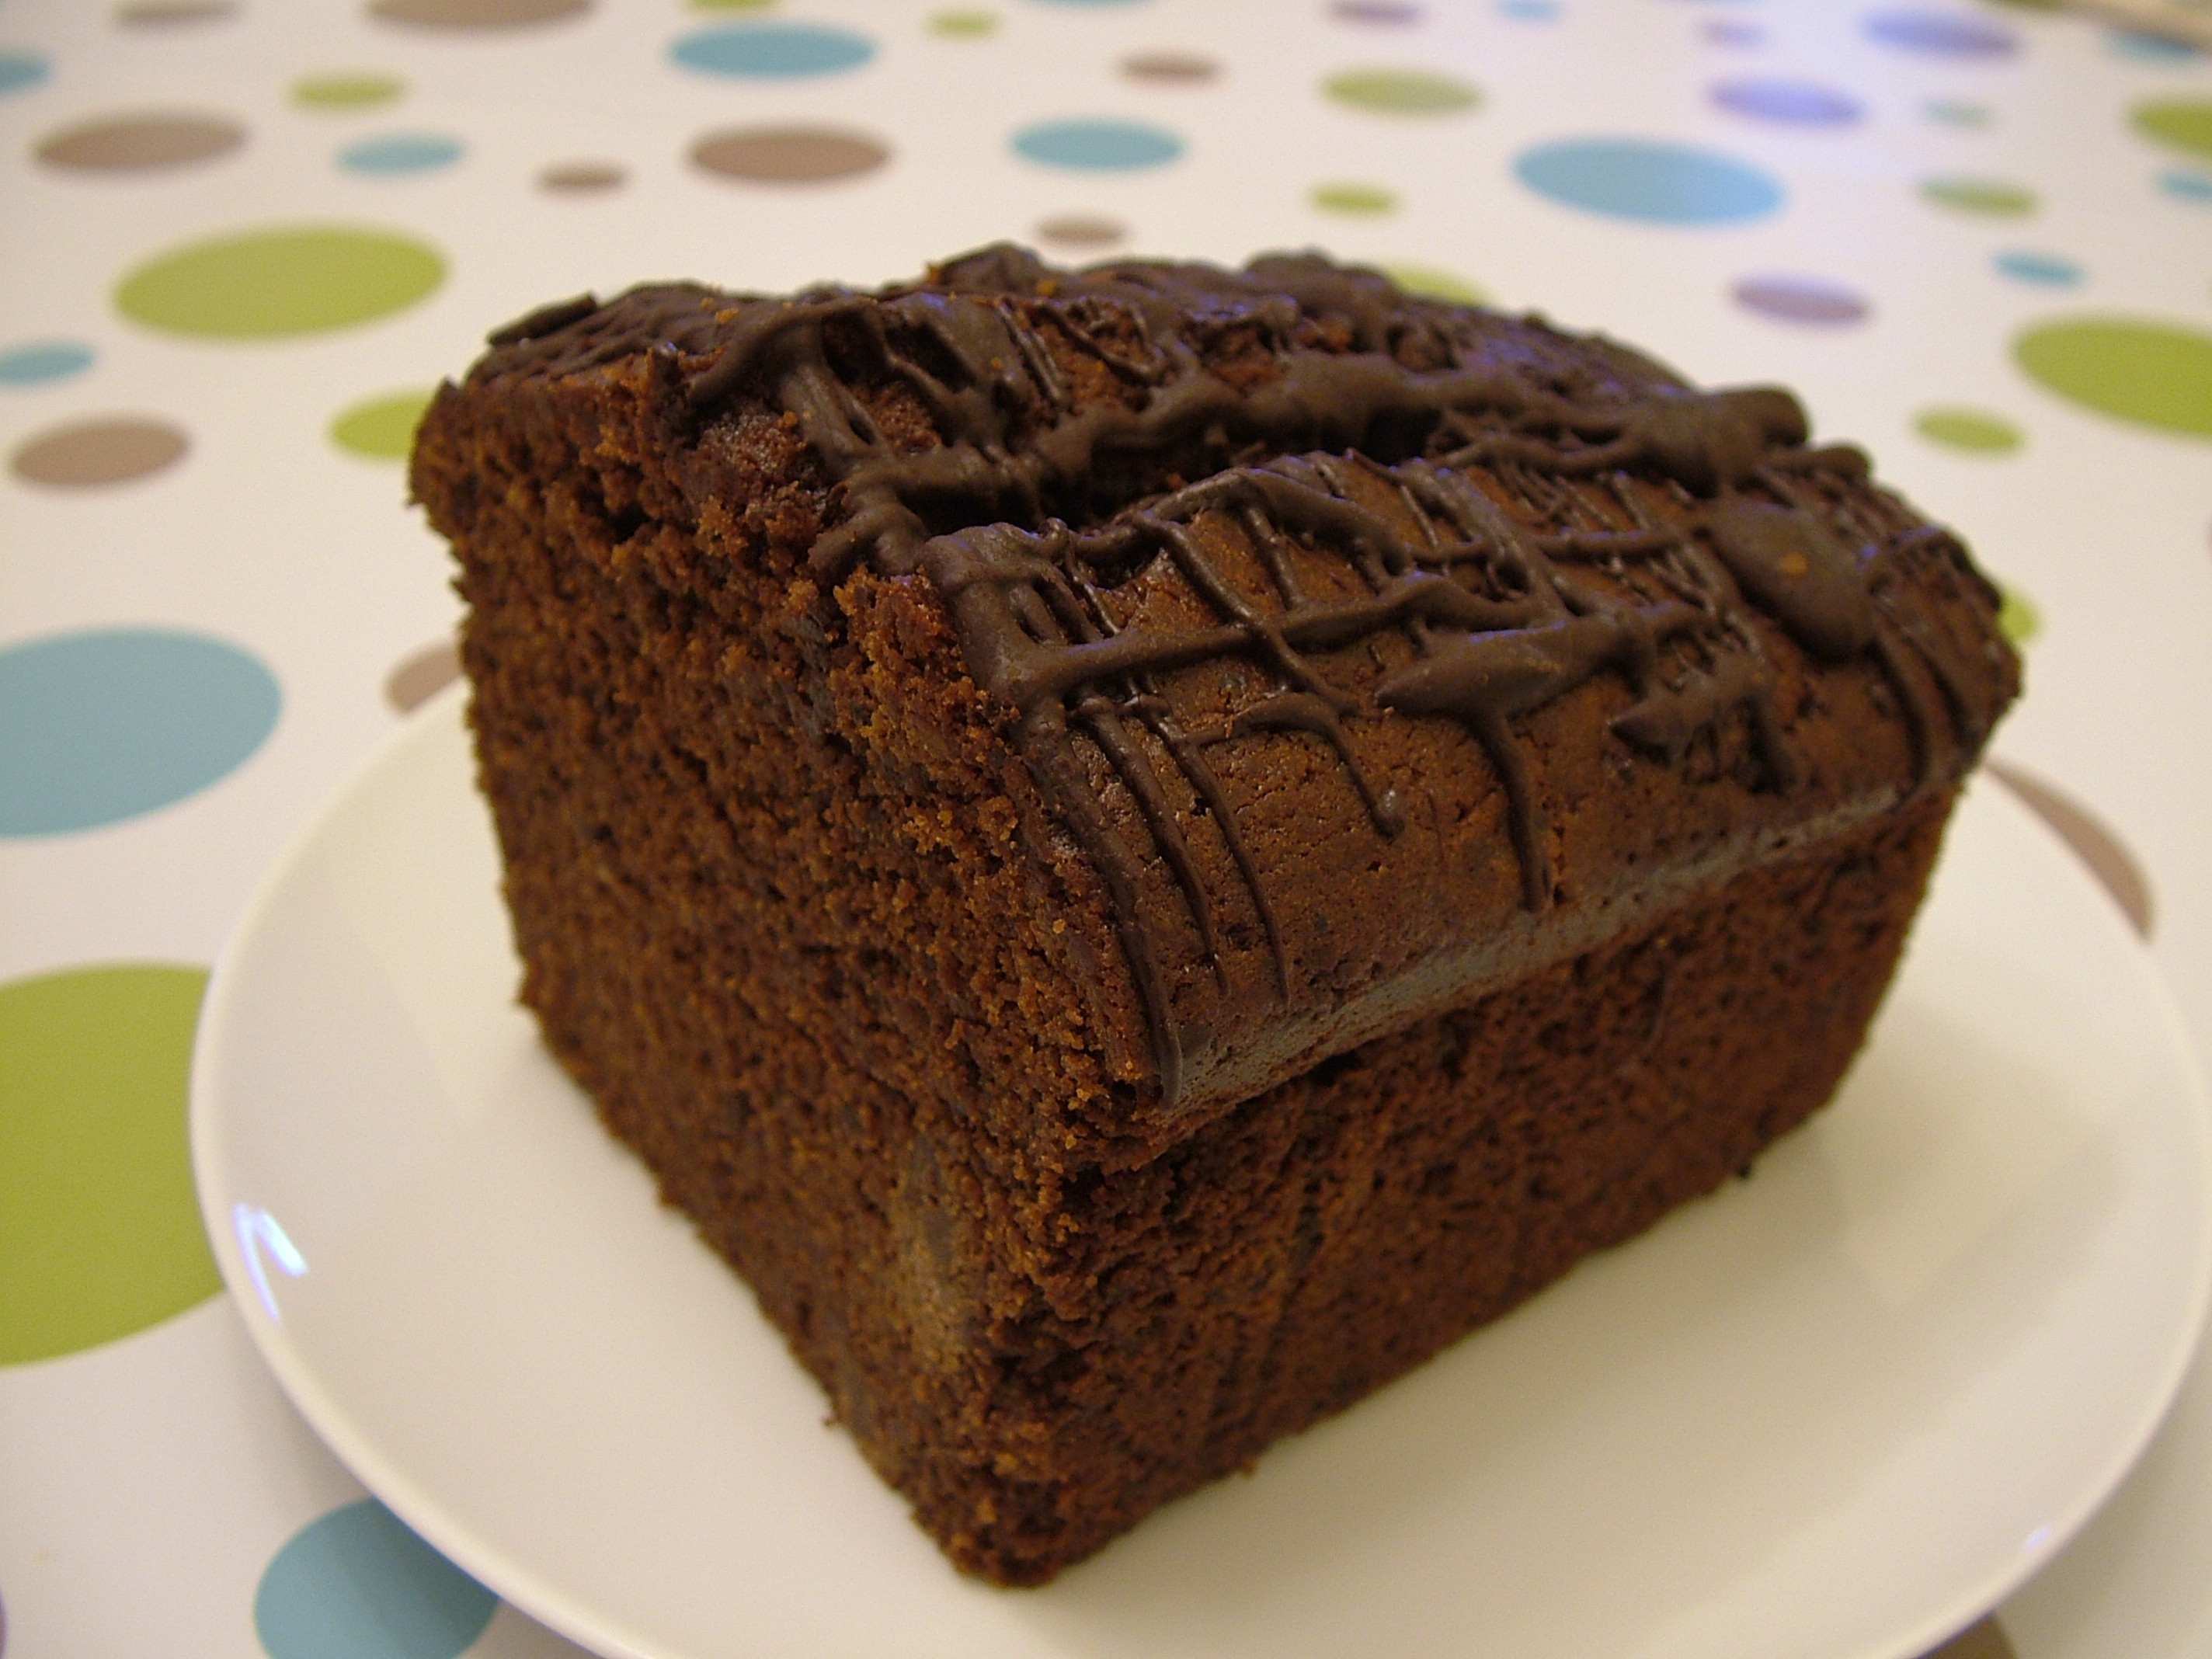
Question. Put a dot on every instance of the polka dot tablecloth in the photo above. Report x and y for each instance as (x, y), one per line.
(245, 239)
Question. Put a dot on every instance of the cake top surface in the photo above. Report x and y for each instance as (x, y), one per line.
(1504, 512)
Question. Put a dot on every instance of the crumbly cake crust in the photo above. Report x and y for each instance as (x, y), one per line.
(1140, 848)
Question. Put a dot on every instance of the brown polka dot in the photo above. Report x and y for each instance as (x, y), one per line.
(1170, 68)
(115, 449)
(1983, 1639)
(1375, 11)
(141, 142)
(582, 177)
(475, 14)
(1082, 230)
(2108, 859)
(167, 14)
(423, 674)
(788, 155)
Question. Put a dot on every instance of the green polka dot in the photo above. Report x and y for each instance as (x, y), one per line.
(1354, 199)
(382, 428)
(1954, 112)
(1991, 197)
(346, 91)
(1972, 429)
(964, 25)
(2018, 619)
(2184, 123)
(1436, 284)
(100, 1233)
(2157, 374)
(1401, 92)
(272, 284)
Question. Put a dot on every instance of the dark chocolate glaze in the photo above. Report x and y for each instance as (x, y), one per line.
(1714, 510)
(546, 319)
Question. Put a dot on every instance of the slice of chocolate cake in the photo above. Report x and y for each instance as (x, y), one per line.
(1142, 848)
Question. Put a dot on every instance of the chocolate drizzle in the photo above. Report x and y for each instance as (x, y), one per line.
(1520, 513)
(546, 319)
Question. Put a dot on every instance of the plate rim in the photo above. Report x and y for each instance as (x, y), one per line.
(422, 1512)
(522, 1587)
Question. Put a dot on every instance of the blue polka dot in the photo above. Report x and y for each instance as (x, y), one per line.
(405, 152)
(2150, 48)
(99, 726)
(358, 1584)
(2186, 185)
(1657, 183)
(42, 361)
(2044, 269)
(19, 69)
(1098, 146)
(1941, 33)
(1795, 103)
(1529, 11)
(773, 52)
(1729, 31)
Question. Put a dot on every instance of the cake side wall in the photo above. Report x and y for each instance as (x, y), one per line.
(1331, 1235)
(778, 893)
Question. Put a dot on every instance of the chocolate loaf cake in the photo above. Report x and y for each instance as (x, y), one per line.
(1142, 848)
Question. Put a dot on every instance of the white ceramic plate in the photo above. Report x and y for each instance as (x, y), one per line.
(1831, 1414)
